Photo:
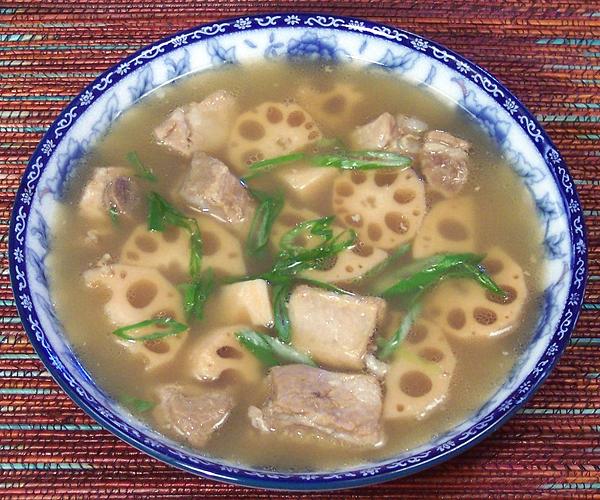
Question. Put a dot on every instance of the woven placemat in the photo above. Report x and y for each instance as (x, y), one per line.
(544, 51)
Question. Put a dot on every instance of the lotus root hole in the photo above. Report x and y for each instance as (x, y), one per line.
(349, 269)
(456, 319)
(146, 243)
(174, 269)
(358, 177)
(374, 231)
(431, 354)
(484, 316)
(511, 295)
(329, 263)
(102, 293)
(296, 118)
(417, 334)
(253, 156)
(385, 178)
(228, 352)
(397, 222)
(415, 384)
(403, 196)
(309, 125)
(363, 250)
(230, 377)
(170, 234)
(141, 293)
(344, 189)
(313, 135)
(354, 220)
(493, 266)
(157, 346)
(251, 130)
(274, 115)
(453, 230)
(335, 104)
(399, 408)
(210, 243)
(133, 255)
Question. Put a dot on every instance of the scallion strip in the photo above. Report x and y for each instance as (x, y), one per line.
(113, 213)
(271, 351)
(281, 295)
(361, 160)
(143, 171)
(263, 166)
(161, 213)
(196, 294)
(389, 346)
(136, 404)
(171, 326)
(341, 159)
(265, 215)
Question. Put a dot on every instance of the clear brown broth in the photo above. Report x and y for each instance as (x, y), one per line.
(496, 189)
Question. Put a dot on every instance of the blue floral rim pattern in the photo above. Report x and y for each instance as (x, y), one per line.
(306, 44)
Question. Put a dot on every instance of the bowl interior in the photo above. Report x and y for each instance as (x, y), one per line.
(242, 41)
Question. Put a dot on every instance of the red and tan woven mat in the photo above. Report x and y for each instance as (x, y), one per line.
(547, 52)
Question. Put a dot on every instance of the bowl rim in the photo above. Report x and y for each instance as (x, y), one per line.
(296, 482)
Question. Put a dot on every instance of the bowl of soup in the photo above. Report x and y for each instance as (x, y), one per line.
(298, 251)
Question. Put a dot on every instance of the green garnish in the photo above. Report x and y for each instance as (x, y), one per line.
(143, 171)
(477, 273)
(270, 351)
(270, 163)
(388, 346)
(342, 159)
(161, 213)
(281, 296)
(425, 273)
(196, 293)
(361, 160)
(113, 213)
(136, 404)
(260, 230)
(168, 327)
(293, 258)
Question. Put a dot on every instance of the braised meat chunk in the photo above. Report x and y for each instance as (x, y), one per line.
(444, 162)
(110, 189)
(192, 412)
(376, 134)
(202, 126)
(209, 186)
(334, 329)
(303, 399)
(400, 133)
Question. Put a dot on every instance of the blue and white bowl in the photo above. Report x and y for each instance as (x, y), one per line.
(244, 40)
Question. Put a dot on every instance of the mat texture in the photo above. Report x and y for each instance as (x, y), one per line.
(547, 52)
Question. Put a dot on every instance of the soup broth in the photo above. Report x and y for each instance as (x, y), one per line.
(499, 213)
